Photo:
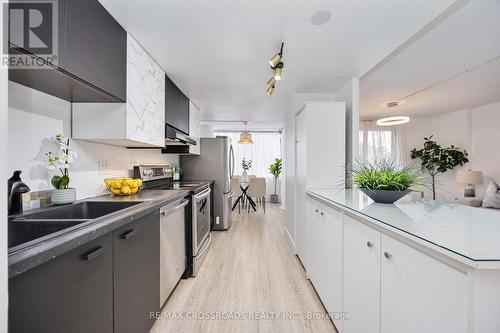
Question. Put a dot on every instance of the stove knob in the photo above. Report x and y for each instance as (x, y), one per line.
(166, 171)
(147, 172)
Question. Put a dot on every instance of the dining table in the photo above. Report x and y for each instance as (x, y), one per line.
(244, 186)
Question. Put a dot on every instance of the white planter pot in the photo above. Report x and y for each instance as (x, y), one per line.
(244, 176)
(62, 197)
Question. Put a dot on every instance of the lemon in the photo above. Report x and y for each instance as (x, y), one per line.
(139, 182)
(108, 182)
(116, 184)
(126, 190)
(129, 182)
(135, 190)
(116, 191)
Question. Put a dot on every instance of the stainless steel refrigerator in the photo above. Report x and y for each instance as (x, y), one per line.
(215, 162)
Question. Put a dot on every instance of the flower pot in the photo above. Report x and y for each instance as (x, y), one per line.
(275, 198)
(63, 197)
(382, 196)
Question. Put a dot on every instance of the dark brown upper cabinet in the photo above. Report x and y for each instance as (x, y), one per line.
(176, 107)
(91, 59)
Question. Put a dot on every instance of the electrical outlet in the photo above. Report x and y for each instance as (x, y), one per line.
(103, 167)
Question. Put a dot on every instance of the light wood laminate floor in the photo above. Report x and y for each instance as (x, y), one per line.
(249, 271)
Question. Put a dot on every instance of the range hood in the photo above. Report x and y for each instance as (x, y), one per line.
(176, 142)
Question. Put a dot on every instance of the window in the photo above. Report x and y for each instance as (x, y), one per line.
(380, 142)
(266, 147)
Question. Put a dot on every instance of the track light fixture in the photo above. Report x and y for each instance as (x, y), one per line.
(270, 90)
(277, 67)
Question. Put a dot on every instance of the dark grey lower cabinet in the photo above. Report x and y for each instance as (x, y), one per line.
(71, 293)
(137, 274)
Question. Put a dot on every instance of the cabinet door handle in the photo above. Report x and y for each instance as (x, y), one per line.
(129, 234)
(369, 244)
(322, 214)
(387, 255)
(89, 256)
(317, 211)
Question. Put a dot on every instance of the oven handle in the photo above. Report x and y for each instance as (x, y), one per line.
(202, 194)
(207, 246)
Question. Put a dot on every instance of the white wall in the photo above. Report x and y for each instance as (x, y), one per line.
(3, 193)
(475, 130)
(349, 93)
(35, 117)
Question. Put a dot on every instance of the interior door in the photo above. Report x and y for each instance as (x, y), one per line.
(300, 183)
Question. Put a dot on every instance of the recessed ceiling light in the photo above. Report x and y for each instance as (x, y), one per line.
(321, 17)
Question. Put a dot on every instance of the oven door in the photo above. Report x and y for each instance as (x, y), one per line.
(201, 219)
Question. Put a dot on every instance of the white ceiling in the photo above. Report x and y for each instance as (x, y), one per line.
(217, 51)
(455, 65)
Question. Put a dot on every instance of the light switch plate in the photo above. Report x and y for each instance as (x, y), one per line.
(103, 167)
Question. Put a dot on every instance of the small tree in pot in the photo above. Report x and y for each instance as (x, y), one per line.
(436, 159)
(275, 170)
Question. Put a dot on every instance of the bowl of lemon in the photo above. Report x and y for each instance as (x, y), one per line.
(123, 186)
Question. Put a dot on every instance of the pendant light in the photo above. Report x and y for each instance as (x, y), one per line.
(394, 120)
(245, 137)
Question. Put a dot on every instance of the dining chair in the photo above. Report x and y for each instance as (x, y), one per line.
(237, 177)
(257, 189)
(236, 189)
(252, 176)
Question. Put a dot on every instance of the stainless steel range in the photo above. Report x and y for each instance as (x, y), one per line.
(198, 218)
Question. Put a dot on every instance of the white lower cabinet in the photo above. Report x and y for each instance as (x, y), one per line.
(420, 293)
(385, 285)
(325, 255)
(362, 246)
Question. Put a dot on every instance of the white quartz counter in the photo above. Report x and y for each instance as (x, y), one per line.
(471, 233)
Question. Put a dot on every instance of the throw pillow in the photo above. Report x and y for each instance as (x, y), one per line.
(492, 199)
(492, 188)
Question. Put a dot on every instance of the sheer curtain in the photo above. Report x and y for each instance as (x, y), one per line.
(266, 147)
(380, 142)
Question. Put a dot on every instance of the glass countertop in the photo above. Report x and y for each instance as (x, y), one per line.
(473, 233)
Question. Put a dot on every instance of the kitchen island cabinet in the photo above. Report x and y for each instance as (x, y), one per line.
(418, 265)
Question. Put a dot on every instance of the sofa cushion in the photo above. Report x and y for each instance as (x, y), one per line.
(492, 198)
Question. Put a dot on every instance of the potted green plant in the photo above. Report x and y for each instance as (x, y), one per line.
(436, 159)
(385, 181)
(275, 170)
(246, 165)
(60, 163)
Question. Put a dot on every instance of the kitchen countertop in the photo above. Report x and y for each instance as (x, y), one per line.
(29, 255)
(471, 233)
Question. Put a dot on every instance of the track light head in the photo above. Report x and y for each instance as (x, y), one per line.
(271, 82)
(270, 89)
(275, 60)
(278, 71)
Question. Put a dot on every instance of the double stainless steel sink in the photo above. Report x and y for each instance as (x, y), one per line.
(28, 227)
